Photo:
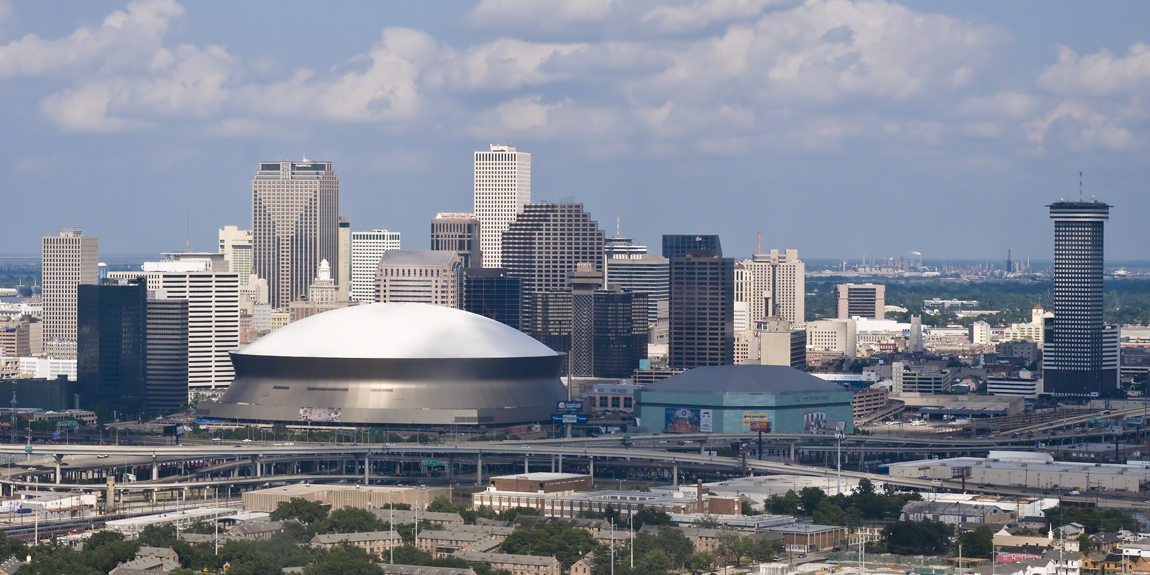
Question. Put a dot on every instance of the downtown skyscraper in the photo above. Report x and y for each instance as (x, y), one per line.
(1078, 358)
(701, 330)
(68, 261)
(295, 225)
(502, 188)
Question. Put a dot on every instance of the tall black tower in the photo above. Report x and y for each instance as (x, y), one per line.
(1073, 356)
(702, 330)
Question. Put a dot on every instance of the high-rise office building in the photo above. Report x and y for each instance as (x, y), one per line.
(619, 332)
(420, 276)
(619, 247)
(343, 276)
(701, 309)
(236, 246)
(679, 245)
(547, 241)
(502, 188)
(111, 345)
(213, 313)
(494, 294)
(773, 285)
(366, 250)
(861, 300)
(1074, 361)
(166, 382)
(68, 260)
(295, 225)
(645, 273)
(459, 232)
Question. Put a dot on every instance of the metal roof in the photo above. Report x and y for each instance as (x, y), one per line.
(749, 379)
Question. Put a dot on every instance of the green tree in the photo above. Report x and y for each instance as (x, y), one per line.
(344, 560)
(441, 505)
(787, 504)
(977, 543)
(811, 497)
(307, 512)
(558, 538)
(700, 561)
(917, 537)
(828, 513)
(649, 516)
(349, 520)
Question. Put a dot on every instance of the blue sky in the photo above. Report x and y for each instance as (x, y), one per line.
(834, 127)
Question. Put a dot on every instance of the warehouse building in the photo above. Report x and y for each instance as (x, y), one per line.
(1027, 469)
(732, 398)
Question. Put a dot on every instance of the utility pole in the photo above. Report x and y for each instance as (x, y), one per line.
(839, 474)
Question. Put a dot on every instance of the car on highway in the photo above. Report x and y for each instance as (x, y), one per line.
(102, 456)
(802, 555)
(216, 439)
(1074, 492)
(247, 441)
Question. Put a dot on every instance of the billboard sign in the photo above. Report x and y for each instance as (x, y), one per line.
(568, 418)
(815, 422)
(570, 406)
(328, 414)
(688, 420)
(756, 421)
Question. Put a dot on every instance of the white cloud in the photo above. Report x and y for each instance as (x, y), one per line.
(125, 39)
(721, 76)
(543, 14)
(1078, 126)
(1099, 74)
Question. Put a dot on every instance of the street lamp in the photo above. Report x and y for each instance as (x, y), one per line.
(839, 473)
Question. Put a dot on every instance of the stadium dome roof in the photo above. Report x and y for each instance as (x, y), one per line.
(397, 331)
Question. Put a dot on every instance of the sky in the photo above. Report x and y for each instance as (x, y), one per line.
(838, 128)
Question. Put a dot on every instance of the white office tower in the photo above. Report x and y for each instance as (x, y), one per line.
(366, 250)
(502, 188)
(68, 260)
(295, 225)
(213, 313)
(343, 275)
(236, 245)
(773, 285)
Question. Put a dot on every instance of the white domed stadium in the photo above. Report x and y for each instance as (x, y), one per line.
(392, 364)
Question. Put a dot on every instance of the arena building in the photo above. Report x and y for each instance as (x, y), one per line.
(731, 398)
(395, 364)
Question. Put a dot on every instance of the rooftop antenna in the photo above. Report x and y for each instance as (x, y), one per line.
(618, 231)
(187, 229)
(1080, 186)
(760, 243)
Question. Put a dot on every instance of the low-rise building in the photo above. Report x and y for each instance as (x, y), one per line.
(516, 564)
(401, 516)
(374, 542)
(1027, 469)
(444, 543)
(617, 398)
(256, 529)
(954, 513)
(805, 537)
(396, 569)
(344, 495)
(868, 400)
(564, 495)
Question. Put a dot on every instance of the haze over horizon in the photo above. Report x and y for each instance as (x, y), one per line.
(833, 127)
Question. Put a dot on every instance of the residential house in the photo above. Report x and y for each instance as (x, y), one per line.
(145, 566)
(444, 543)
(256, 529)
(403, 516)
(374, 542)
(1104, 542)
(516, 564)
(390, 569)
(584, 566)
(11, 565)
(496, 532)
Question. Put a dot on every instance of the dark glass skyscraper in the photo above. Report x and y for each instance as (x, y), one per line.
(702, 330)
(1073, 355)
(492, 293)
(679, 245)
(111, 345)
(166, 384)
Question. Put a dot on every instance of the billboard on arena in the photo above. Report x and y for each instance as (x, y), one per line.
(688, 420)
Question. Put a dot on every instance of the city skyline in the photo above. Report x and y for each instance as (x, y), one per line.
(956, 109)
